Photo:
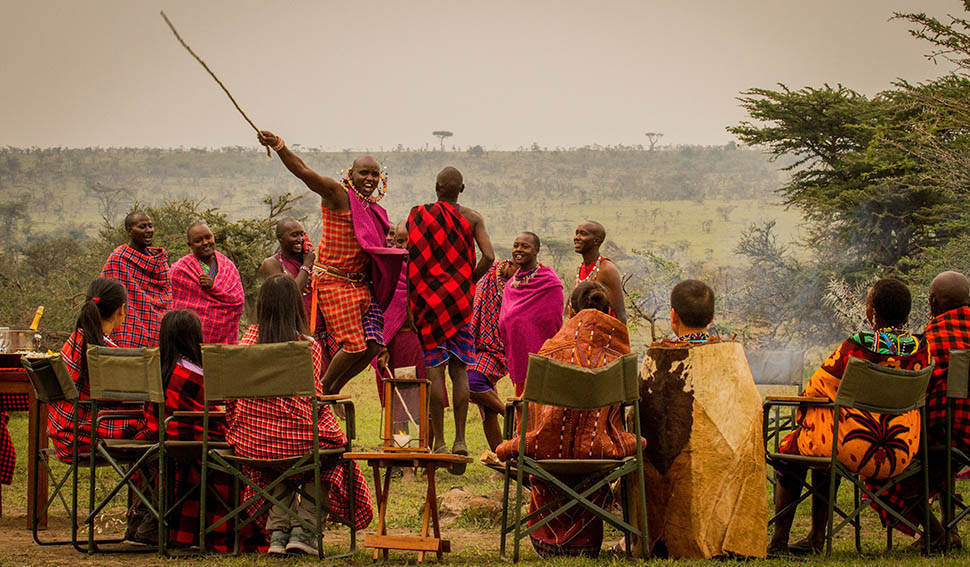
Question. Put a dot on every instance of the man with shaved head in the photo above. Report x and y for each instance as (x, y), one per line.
(143, 270)
(441, 274)
(355, 273)
(294, 257)
(590, 235)
(207, 282)
(948, 330)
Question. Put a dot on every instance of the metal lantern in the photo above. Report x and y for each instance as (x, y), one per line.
(405, 415)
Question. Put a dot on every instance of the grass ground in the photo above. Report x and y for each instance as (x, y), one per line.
(474, 539)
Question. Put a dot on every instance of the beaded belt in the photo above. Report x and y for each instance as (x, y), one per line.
(323, 269)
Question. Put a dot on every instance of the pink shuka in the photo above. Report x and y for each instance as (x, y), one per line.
(145, 277)
(531, 313)
(219, 307)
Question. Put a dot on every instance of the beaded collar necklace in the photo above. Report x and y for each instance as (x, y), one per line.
(593, 271)
(695, 338)
(892, 338)
(518, 281)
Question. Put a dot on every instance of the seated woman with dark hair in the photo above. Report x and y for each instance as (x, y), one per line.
(276, 428)
(103, 311)
(896, 441)
(590, 339)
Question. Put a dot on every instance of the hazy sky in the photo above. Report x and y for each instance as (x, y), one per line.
(371, 74)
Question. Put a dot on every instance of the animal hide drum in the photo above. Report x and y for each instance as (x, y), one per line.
(705, 465)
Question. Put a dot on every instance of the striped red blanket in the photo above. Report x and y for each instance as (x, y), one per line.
(219, 307)
(145, 277)
(489, 350)
(441, 246)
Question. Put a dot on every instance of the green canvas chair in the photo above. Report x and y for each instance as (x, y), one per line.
(865, 386)
(554, 383)
(957, 388)
(277, 370)
(131, 375)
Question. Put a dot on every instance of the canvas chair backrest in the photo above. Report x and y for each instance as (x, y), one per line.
(555, 383)
(958, 375)
(125, 374)
(274, 370)
(776, 367)
(870, 387)
(50, 379)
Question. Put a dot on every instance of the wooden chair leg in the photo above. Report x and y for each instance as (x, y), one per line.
(428, 499)
(433, 504)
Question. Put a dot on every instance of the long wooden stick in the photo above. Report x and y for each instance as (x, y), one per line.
(213, 75)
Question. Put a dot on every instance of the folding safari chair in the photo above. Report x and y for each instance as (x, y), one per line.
(554, 383)
(869, 387)
(275, 370)
(52, 383)
(124, 375)
(957, 378)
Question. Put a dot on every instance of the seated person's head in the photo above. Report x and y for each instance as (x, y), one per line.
(104, 309)
(179, 336)
(949, 290)
(279, 310)
(590, 295)
(691, 307)
(888, 303)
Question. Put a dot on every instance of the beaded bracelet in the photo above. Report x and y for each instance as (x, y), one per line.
(279, 145)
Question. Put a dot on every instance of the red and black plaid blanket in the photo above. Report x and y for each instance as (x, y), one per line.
(441, 246)
(145, 277)
(8, 456)
(947, 331)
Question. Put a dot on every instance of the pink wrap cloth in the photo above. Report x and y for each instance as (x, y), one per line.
(531, 314)
(219, 307)
(370, 228)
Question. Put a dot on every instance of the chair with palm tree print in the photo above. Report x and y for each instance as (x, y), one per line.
(867, 388)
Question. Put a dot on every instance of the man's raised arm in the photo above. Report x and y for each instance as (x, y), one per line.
(332, 193)
(484, 245)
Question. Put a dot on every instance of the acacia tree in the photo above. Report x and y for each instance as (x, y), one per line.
(441, 135)
(653, 138)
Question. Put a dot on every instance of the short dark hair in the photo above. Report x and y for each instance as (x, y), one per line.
(193, 225)
(130, 218)
(693, 301)
(535, 238)
(590, 295)
(283, 222)
(891, 301)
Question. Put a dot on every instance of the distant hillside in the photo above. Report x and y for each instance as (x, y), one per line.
(691, 200)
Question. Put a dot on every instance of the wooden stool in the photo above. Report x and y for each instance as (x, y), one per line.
(423, 543)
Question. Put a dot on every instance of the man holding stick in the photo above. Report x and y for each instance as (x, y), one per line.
(355, 273)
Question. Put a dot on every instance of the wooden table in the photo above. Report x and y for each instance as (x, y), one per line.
(18, 383)
(381, 542)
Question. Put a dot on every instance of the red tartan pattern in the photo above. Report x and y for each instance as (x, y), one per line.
(282, 427)
(60, 428)
(947, 331)
(342, 303)
(8, 456)
(219, 307)
(441, 247)
(14, 402)
(489, 349)
(373, 322)
(145, 277)
(183, 392)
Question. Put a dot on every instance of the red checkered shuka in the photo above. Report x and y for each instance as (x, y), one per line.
(441, 247)
(145, 277)
(277, 428)
(342, 303)
(489, 350)
(220, 307)
(183, 392)
(8, 456)
(60, 426)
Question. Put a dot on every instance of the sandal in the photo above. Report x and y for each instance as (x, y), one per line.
(458, 469)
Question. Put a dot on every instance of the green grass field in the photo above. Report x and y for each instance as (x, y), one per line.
(474, 539)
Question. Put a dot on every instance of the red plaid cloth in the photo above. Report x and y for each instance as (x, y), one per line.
(183, 392)
(8, 456)
(145, 277)
(489, 350)
(342, 303)
(947, 331)
(219, 307)
(282, 427)
(441, 247)
(60, 427)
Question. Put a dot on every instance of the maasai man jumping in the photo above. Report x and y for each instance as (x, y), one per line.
(143, 270)
(355, 272)
(208, 283)
(294, 258)
(589, 237)
(442, 275)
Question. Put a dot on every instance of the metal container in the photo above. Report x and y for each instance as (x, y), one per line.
(18, 340)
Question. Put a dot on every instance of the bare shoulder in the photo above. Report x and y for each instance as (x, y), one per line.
(609, 269)
(471, 215)
(271, 266)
